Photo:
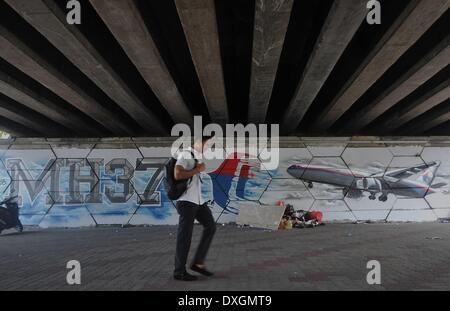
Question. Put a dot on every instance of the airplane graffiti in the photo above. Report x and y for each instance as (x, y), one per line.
(414, 182)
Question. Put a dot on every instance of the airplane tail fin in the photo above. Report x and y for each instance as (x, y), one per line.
(232, 164)
(236, 168)
(427, 176)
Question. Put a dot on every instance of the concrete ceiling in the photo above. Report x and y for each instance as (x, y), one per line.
(136, 67)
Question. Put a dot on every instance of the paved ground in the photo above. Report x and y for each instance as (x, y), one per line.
(332, 257)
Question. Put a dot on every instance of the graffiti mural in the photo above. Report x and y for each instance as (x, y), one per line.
(72, 185)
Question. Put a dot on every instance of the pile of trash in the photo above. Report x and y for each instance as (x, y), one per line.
(300, 219)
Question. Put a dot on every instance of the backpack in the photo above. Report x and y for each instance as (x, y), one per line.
(304, 219)
(175, 188)
(314, 215)
(289, 211)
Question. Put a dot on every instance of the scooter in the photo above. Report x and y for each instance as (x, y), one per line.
(9, 215)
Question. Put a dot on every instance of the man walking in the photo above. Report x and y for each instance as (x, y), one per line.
(191, 206)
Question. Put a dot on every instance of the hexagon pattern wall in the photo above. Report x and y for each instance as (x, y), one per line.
(88, 183)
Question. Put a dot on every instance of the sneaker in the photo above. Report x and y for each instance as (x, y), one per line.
(201, 270)
(184, 277)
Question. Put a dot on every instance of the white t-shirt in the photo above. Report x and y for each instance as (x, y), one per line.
(194, 189)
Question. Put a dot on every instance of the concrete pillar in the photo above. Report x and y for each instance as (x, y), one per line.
(15, 112)
(421, 105)
(15, 129)
(271, 23)
(126, 24)
(417, 18)
(198, 18)
(19, 92)
(430, 120)
(15, 52)
(342, 22)
(50, 21)
(416, 76)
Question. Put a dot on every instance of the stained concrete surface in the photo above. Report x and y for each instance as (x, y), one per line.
(333, 257)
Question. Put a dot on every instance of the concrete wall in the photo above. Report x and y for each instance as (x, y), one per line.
(71, 183)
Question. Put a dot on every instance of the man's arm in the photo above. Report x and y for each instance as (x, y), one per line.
(181, 173)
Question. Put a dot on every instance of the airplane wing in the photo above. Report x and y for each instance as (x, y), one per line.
(439, 185)
(404, 173)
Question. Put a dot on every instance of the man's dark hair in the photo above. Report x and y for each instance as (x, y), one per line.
(205, 138)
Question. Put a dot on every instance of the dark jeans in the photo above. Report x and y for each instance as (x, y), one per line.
(188, 213)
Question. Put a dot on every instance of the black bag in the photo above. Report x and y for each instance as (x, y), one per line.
(289, 211)
(175, 188)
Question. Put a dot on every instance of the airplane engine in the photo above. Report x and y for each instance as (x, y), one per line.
(372, 184)
(353, 193)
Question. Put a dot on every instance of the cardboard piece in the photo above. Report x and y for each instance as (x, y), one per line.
(260, 216)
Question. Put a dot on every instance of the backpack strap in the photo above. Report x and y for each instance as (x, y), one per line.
(196, 162)
(193, 157)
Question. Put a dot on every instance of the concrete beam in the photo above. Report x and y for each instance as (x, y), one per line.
(421, 72)
(198, 18)
(342, 23)
(414, 109)
(15, 129)
(271, 23)
(19, 92)
(15, 112)
(50, 21)
(26, 60)
(429, 121)
(416, 19)
(443, 130)
(125, 22)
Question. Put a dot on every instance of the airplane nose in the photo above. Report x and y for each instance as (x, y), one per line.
(296, 171)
